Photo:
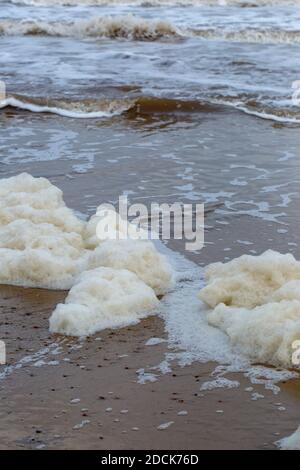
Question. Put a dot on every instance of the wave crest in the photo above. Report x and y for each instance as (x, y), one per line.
(128, 27)
(87, 109)
(133, 27)
(106, 108)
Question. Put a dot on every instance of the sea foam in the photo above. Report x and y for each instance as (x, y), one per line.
(141, 258)
(44, 244)
(103, 298)
(291, 442)
(40, 238)
(255, 300)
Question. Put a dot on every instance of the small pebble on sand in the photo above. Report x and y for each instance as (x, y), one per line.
(163, 426)
(80, 425)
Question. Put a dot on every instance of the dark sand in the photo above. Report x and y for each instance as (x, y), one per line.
(35, 402)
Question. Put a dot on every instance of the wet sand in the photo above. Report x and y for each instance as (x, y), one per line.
(36, 406)
(36, 402)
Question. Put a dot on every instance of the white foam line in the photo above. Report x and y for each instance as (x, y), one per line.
(15, 103)
(261, 115)
(271, 117)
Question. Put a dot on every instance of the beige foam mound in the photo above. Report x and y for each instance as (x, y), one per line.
(265, 334)
(139, 257)
(40, 238)
(256, 302)
(37, 200)
(248, 281)
(103, 298)
(44, 244)
(107, 224)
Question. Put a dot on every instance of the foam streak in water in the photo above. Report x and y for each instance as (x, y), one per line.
(35, 108)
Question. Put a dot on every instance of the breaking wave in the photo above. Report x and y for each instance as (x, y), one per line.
(128, 26)
(148, 105)
(105, 108)
(87, 109)
(137, 28)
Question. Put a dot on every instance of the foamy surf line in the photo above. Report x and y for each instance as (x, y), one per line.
(35, 108)
(132, 27)
(145, 104)
(259, 114)
(268, 116)
(114, 27)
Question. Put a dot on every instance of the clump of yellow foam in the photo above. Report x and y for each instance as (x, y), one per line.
(140, 257)
(256, 301)
(44, 244)
(40, 238)
(103, 298)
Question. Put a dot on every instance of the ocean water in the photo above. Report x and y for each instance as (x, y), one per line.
(97, 58)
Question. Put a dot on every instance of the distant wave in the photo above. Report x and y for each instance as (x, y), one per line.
(128, 26)
(136, 28)
(147, 105)
(159, 3)
(250, 35)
